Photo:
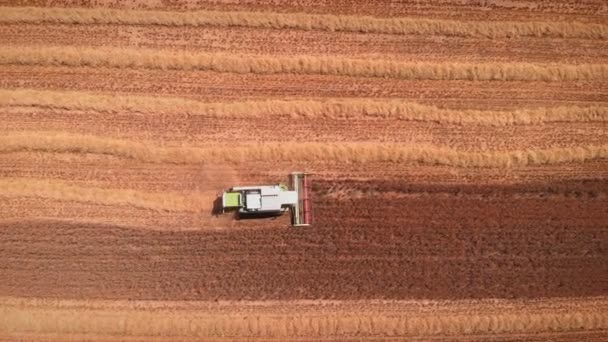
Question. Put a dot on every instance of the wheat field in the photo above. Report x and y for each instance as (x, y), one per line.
(458, 155)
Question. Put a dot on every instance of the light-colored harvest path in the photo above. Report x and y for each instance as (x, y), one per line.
(332, 108)
(63, 191)
(129, 58)
(278, 320)
(314, 152)
(303, 21)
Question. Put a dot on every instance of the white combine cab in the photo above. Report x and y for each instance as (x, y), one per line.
(271, 200)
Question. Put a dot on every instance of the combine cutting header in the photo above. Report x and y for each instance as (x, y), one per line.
(272, 200)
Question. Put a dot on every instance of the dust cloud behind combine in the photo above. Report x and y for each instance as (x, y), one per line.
(459, 154)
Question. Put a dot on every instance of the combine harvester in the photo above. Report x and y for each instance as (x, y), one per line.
(272, 200)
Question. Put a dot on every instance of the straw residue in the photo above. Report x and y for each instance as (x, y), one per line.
(292, 320)
(63, 191)
(335, 108)
(304, 21)
(297, 152)
(313, 65)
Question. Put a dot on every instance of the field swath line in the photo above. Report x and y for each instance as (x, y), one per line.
(359, 153)
(63, 191)
(278, 320)
(304, 21)
(304, 65)
(334, 108)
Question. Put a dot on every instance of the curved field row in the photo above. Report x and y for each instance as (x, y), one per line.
(325, 22)
(321, 319)
(348, 108)
(301, 65)
(347, 152)
(63, 191)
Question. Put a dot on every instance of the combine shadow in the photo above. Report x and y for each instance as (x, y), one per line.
(216, 210)
(271, 216)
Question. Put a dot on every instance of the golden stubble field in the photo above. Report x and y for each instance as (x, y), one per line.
(459, 153)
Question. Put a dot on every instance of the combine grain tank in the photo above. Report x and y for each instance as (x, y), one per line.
(272, 200)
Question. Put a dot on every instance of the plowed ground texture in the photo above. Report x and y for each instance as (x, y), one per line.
(458, 156)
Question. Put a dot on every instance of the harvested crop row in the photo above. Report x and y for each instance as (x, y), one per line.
(274, 320)
(303, 21)
(348, 194)
(58, 190)
(218, 62)
(329, 108)
(313, 152)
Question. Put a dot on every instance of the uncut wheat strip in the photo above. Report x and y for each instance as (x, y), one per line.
(304, 21)
(295, 152)
(334, 108)
(339, 66)
(63, 191)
